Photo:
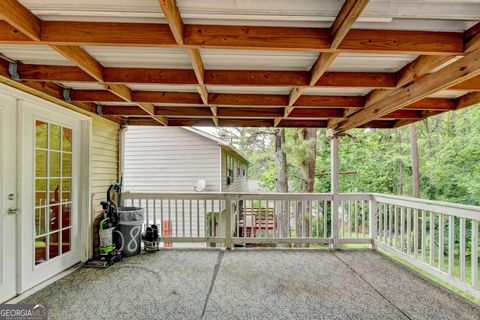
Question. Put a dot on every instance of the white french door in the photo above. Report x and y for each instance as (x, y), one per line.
(8, 197)
(49, 156)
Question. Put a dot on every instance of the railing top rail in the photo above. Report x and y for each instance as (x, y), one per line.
(461, 210)
(243, 196)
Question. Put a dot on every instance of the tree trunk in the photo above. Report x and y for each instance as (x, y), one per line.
(427, 135)
(415, 162)
(281, 182)
(281, 179)
(308, 135)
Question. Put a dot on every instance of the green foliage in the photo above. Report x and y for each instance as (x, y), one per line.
(448, 148)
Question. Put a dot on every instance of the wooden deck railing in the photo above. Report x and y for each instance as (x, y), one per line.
(431, 235)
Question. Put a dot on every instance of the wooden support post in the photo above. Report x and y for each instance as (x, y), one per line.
(334, 189)
(228, 222)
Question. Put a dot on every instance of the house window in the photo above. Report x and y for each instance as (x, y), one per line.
(244, 172)
(238, 168)
(229, 169)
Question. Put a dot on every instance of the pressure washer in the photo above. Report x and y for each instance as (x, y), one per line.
(107, 253)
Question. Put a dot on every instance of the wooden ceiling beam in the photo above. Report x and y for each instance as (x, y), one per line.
(21, 18)
(467, 100)
(451, 75)
(169, 8)
(345, 19)
(228, 99)
(472, 38)
(238, 37)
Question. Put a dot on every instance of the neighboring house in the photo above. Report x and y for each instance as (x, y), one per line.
(173, 159)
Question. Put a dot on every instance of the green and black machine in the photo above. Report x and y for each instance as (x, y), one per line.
(107, 253)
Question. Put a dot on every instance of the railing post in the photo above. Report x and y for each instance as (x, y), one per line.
(334, 189)
(228, 222)
(372, 227)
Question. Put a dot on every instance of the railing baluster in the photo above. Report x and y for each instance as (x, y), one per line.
(395, 227)
(409, 230)
(415, 233)
(402, 236)
(390, 224)
(162, 231)
(363, 218)
(451, 245)
(356, 218)
(325, 219)
(350, 209)
(462, 248)
(441, 241)
(474, 254)
(432, 238)
(169, 218)
(183, 218)
(385, 223)
(424, 236)
(191, 219)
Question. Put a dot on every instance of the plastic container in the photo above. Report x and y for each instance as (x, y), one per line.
(129, 230)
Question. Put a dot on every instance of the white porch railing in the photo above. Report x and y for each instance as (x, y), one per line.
(432, 236)
(422, 232)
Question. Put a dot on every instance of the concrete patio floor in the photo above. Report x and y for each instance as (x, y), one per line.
(252, 284)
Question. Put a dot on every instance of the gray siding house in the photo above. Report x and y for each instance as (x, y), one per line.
(173, 159)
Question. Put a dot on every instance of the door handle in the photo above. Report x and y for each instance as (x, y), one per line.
(12, 211)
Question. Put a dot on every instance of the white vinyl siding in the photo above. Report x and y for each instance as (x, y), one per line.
(104, 160)
(239, 183)
(169, 159)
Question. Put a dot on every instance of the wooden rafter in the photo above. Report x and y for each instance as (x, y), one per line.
(397, 99)
(344, 21)
(21, 18)
(457, 72)
(174, 19)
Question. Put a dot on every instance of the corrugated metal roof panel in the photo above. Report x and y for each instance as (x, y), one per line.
(33, 54)
(360, 62)
(249, 89)
(138, 57)
(156, 87)
(257, 59)
(432, 15)
(336, 91)
(83, 85)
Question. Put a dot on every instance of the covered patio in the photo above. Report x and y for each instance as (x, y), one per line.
(253, 284)
(76, 74)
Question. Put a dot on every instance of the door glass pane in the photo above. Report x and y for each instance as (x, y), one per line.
(67, 139)
(54, 164)
(41, 163)
(40, 192)
(66, 215)
(53, 190)
(40, 219)
(55, 137)
(53, 218)
(54, 245)
(41, 129)
(40, 249)
(67, 165)
(66, 246)
(66, 190)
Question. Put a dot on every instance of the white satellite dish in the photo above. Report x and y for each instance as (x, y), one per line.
(200, 185)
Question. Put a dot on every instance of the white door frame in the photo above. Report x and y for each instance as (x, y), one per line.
(85, 168)
(8, 161)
